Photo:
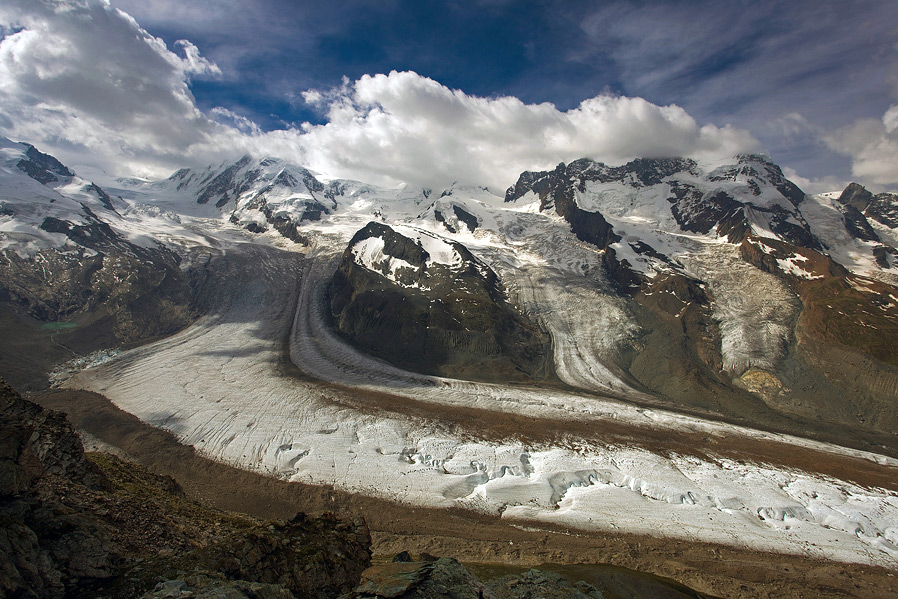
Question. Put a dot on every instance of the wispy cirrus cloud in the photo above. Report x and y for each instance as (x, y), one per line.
(756, 64)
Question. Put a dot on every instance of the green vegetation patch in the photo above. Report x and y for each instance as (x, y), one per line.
(58, 326)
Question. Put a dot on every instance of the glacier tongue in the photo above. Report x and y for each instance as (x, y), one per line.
(755, 309)
(224, 394)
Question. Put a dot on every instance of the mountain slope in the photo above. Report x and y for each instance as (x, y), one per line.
(74, 267)
(429, 305)
(661, 226)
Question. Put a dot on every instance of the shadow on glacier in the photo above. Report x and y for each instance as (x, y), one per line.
(268, 303)
(253, 299)
(251, 286)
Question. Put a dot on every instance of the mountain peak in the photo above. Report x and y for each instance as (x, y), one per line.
(41, 167)
(856, 195)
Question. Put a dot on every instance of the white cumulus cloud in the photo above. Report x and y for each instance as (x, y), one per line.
(407, 127)
(84, 77)
(873, 147)
(193, 63)
(84, 80)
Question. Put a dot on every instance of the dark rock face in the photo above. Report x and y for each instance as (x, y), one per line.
(41, 167)
(886, 256)
(101, 195)
(463, 216)
(882, 207)
(36, 442)
(466, 217)
(311, 557)
(856, 196)
(183, 176)
(448, 320)
(696, 213)
(556, 189)
(437, 214)
(856, 201)
(857, 224)
(46, 546)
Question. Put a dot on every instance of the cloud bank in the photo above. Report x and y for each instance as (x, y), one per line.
(83, 79)
(412, 128)
(873, 147)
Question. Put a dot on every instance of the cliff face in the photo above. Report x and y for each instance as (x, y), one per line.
(88, 525)
(430, 306)
(48, 544)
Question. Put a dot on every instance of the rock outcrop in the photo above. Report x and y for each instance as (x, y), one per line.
(48, 545)
(445, 578)
(430, 306)
(82, 526)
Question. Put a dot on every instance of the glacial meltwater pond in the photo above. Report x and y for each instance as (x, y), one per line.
(58, 326)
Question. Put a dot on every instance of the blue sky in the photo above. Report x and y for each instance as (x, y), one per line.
(811, 83)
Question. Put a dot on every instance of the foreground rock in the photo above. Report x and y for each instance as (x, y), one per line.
(77, 525)
(429, 578)
(47, 545)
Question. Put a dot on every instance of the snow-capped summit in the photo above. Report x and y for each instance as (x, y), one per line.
(35, 187)
(424, 302)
